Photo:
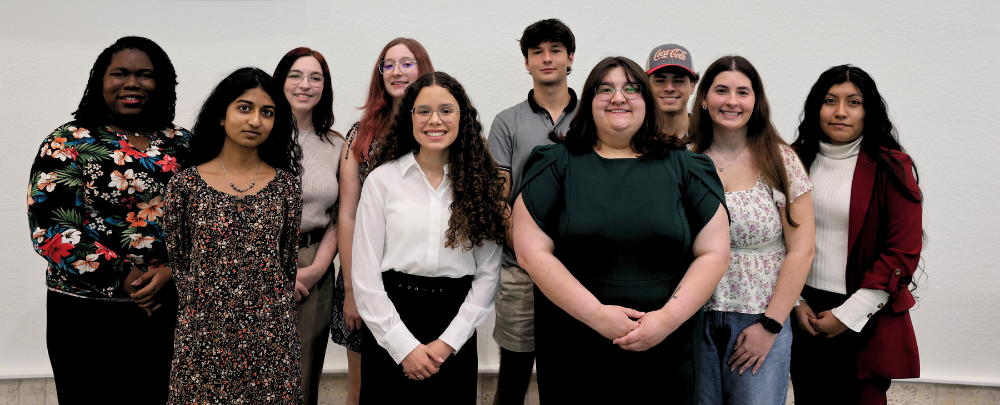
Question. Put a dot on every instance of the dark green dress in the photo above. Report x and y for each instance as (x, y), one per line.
(624, 229)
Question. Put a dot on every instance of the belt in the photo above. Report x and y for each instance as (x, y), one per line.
(313, 236)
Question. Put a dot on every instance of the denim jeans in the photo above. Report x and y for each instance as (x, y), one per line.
(721, 386)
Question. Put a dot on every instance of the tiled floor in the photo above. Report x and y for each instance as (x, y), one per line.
(333, 391)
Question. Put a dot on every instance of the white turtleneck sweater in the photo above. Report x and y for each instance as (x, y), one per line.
(832, 174)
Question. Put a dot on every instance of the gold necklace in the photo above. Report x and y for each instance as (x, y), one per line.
(734, 160)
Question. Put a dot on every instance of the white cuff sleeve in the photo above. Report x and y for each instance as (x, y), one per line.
(859, 307)
(479, 302)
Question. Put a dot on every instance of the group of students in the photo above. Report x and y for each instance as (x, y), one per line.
(632, 249)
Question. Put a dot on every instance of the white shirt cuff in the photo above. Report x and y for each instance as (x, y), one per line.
(399, 342)
(859, 307)
(457, 333)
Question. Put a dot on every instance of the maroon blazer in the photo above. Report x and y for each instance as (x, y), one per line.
(885, 236)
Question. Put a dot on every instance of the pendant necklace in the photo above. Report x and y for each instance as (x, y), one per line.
(720, 168)
(242, 190)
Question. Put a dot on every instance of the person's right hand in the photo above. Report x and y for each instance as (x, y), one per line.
(613, 321)
(419, 364)
(803, 314)
(351, 315)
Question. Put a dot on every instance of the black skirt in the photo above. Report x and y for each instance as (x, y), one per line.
(426, 305)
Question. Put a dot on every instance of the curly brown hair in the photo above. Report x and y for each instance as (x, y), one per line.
(478, 211)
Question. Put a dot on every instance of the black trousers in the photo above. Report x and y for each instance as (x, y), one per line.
(109, 352)
(426, 305)
(825, 370)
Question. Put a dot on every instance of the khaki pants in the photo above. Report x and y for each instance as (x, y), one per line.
(314, 325)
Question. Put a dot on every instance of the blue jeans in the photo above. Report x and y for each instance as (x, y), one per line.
(721, 386)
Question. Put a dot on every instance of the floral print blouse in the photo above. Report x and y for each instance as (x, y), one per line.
(756, 241)
(95, 206)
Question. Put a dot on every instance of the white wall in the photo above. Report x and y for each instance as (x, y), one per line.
(934, 62)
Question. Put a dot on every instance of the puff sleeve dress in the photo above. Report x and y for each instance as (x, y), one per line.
(624, 228)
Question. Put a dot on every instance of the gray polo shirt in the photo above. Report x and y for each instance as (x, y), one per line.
(515, 133)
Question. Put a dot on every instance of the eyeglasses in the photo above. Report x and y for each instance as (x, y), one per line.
(295, 77)
(422, 113)
(631, 91)
(406, 65)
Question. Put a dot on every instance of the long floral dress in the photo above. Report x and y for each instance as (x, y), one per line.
(233, 260)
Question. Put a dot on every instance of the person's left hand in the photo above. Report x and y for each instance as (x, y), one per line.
(301, 292)
(441, 349)
(752, 347)
(154, 280)
(653, 328)
(827, 324)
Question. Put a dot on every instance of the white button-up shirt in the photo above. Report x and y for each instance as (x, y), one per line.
(401, 225)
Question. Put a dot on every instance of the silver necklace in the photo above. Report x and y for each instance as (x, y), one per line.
(731, 164)
(242, 190)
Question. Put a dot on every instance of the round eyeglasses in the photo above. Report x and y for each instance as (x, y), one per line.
(631, 91)
(405, 65)
(422, 113)
(295, 77)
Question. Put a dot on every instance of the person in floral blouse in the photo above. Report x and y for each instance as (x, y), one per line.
(95, 212)
(747, 341)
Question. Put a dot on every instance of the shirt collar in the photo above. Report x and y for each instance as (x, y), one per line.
(408, 162)
(537, 109)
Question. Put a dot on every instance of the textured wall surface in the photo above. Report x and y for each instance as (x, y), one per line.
(934, 63)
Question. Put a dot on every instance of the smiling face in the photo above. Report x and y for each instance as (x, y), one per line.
(302, 95)
(730, 101)
(671, 90)
(249, 119)
(842, 115)
(435, 134)
(548, 63)
(396, 80)
(128, 82)
(619, 116)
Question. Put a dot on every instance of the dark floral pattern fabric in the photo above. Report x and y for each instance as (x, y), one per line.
(234, 263)
(95, 206)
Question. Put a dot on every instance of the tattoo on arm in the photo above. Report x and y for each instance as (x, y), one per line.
(674, 294)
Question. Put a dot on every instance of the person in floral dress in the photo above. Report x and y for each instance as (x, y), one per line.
(232, 225)
(747, 340)
(95, 212)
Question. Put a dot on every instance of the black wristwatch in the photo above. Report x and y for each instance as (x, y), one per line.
(770, 324)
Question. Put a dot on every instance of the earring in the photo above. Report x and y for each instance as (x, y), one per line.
(704, 108)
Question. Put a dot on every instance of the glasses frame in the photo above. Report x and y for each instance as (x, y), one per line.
(378, 65)
(416, 118)
(304, 77)
(614, 89)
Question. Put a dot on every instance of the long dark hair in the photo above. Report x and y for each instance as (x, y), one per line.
(763, 140)
(322, 115)
(878, 130)
(378, 105)
(478, 211)
(157, 113)
(279, 150)
(649, 141)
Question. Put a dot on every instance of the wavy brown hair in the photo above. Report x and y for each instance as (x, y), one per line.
(479, 210)
(763, 140)
(650, 141)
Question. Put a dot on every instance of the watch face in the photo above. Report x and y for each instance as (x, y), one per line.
(770, 325)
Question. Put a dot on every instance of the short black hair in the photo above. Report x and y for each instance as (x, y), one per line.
(550, 30)
(677, 70)
(94, 111)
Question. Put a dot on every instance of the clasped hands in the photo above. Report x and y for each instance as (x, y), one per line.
(633, 330)
(143, 287)
(425, 360)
